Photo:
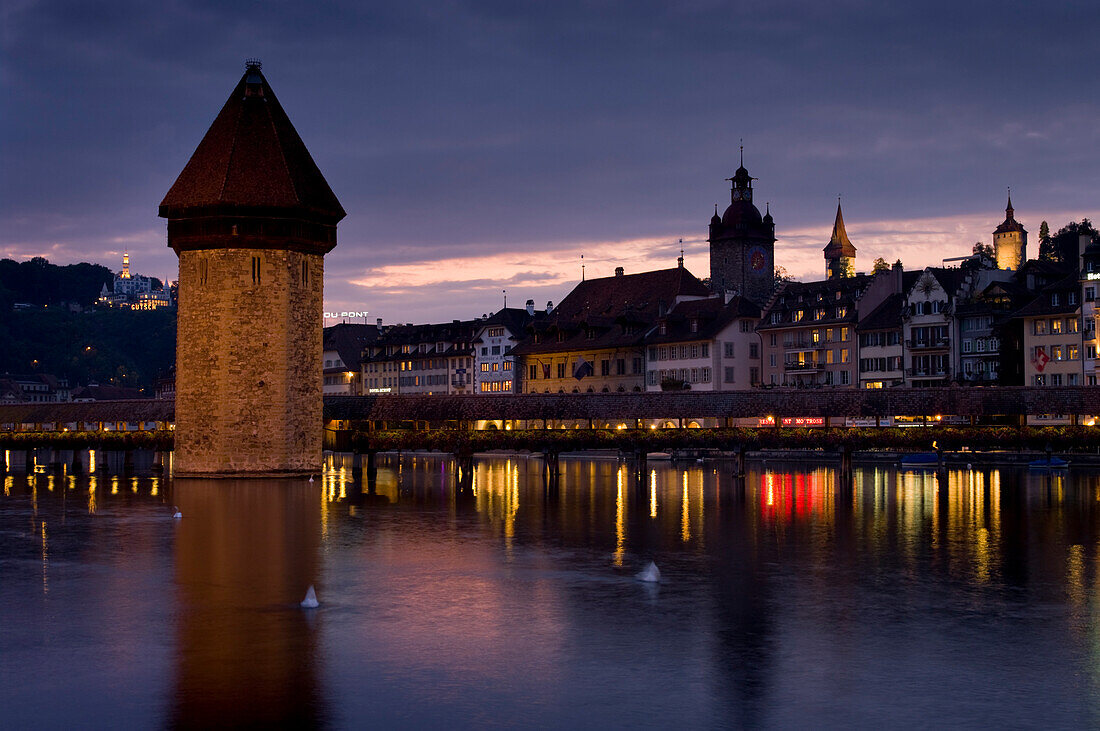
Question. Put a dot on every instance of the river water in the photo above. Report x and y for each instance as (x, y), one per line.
(794, 600)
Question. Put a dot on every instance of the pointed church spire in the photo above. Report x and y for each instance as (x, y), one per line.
(839, 245)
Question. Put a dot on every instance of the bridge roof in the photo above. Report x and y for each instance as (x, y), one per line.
(960, 401)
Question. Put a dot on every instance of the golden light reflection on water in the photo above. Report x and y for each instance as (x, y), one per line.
(685, 525)
(91, 494)
(653, 493)
(620, 517)
(45, 561)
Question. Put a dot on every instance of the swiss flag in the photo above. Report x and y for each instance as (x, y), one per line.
(1041, 359)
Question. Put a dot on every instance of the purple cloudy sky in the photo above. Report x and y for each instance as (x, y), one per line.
(481, 146)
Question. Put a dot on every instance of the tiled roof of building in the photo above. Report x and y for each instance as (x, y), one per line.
(1010, 223)
(95, 392)
(1042, 304)
(456, 337)
(710, 316)
(514, 319)
(950, 278)
(611, 312)
(827, 293)
(348, 340)
(839, 245)
(252, 157)
(887, 316)
(641, 294)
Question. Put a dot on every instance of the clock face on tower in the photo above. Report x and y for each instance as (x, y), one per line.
(757, 259)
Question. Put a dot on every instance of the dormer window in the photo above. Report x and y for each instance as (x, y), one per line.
(798, 315)
(561, 336)
(663, 329)
(1054, 299)
(695, 326)
(819, 313)
(841, 311)
(777, 317)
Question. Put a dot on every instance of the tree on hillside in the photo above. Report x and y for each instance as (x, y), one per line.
(880, 265)
(39, 282)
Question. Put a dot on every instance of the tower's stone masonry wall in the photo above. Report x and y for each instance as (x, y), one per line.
(248, 363)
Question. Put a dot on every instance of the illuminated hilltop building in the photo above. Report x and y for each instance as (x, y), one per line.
(251, 218)
(1010, 242)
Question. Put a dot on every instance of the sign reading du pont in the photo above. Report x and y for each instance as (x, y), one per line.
(338, 315)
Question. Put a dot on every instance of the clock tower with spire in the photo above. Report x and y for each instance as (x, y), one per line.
(742, 244)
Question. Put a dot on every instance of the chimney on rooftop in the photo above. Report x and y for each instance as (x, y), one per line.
(549, 306)
(531, 308)
(619, 271)
(378, 322)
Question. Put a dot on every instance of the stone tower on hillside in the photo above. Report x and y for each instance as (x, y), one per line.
(840, 255)
(1010, 241)
(250, 218)
(742, 245)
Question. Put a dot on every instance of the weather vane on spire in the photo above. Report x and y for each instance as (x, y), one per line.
(582, 267)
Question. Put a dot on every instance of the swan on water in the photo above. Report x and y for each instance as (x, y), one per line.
(650, 574)
(311, 479)
(310, 602)
(176, 513)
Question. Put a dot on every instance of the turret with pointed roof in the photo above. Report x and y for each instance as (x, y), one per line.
(250, 218)
(840, 255)
(1010, 241)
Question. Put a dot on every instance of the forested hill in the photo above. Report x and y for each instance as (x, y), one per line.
(110, 346)
(38, 282)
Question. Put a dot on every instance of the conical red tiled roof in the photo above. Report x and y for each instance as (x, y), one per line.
(252, 157)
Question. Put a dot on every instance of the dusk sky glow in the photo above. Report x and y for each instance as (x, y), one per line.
(481, 146)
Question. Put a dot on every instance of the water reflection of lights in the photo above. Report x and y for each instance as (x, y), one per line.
(685, 526)
(45, 561)
(91, 494)
(620, 518)
(653, 493)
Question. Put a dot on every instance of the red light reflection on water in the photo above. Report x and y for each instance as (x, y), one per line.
(792, 494)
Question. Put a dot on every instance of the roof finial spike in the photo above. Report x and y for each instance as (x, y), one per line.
(582, 267)
(767, 208)
(716, 209)
(505, 293)
(742, 152)
(680, 261)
